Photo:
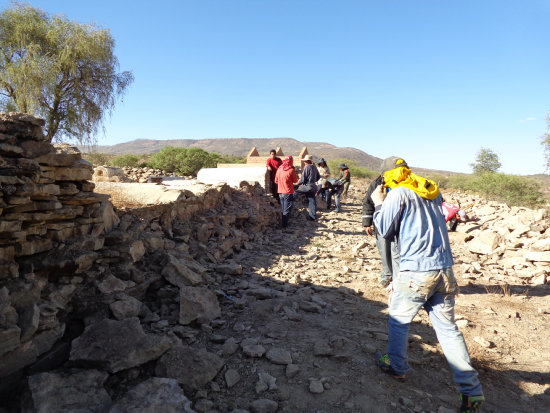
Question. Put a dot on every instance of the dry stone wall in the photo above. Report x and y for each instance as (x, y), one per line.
(51, 225)
(76, 272)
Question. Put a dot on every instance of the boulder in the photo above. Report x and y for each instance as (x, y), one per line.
(176, 272)
(118, 345)
(191, 367)
(154, 395)
(198, 302)
(72, 391)
(485, 242)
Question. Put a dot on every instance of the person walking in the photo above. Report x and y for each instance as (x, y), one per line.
(344, 177)
(285, 178)
(388, 249)
(272, 164)
(307, 184)
(411, 210)
(324, 185)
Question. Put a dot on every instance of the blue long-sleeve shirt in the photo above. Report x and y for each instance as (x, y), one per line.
(419, 225)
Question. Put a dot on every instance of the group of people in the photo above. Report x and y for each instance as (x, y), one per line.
(407, 215)
(314, 181)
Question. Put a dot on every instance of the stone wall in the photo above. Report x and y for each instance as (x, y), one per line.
(51, 225)
(68, 259)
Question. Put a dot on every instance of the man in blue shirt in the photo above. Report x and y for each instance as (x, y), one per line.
(411, 211)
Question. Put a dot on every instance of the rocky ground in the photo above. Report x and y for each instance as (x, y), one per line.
(303, 319)
(290, 322)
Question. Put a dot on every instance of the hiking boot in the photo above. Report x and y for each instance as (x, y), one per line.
(471, 404)
(383, 362)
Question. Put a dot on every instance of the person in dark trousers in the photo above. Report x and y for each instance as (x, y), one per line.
(344, 177)
(411, 210)
(285, 178)
(272, 164)
(388, 249)
(310, 175)
(324, 185)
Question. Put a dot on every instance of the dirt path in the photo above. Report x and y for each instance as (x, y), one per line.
(301, 324)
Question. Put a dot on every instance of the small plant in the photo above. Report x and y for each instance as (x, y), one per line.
(501, 289)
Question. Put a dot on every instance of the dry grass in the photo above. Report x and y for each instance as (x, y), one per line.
(502, 289)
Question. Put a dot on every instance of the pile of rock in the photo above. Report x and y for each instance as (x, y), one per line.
(142, 174)
(76, 274)
(507, 244)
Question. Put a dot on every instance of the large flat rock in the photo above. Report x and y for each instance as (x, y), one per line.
(154, 395)
(191, 367)
(72, 391)
(118, 345)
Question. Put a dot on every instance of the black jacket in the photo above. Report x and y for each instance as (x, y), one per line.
(368, 205)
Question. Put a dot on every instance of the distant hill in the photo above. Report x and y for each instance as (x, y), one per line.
(241, 147)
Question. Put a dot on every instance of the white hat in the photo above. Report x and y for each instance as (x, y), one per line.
(308, 158)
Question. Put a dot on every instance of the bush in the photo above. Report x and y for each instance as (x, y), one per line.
(442, 181)
(511, 189)
(183, 161)
(356, 171)
(125, 160)
(231, 158)
(97, 158)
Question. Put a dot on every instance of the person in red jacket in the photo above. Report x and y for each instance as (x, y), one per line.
(285, 178)
(272, 164)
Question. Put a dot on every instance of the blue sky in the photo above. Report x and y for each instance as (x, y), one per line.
(429, 80)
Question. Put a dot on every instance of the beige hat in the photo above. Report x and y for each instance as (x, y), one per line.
(308, 158)
(391, 163)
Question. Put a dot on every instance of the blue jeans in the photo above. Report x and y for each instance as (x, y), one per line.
(411, 291)
(312, 205)
(326, 196)
(389, 255)
(287, 200)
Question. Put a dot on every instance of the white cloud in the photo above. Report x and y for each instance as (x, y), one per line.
(530, 119)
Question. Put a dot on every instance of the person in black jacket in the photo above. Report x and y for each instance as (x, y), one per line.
(389, 250)
(308, 179)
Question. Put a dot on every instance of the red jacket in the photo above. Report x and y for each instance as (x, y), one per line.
(285, 180)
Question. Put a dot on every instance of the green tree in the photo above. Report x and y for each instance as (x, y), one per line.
(486, 161)
(184, 161)
(61, 70)
(546, 143)
(125, 160)
(355, 170)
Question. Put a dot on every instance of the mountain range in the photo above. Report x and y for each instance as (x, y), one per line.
(242, 146)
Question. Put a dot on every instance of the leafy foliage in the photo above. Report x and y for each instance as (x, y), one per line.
(61, 70)
(486, 161)
(125, 160)
(511, 189)
(232, 159)
(184, 161)
(356, 171)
